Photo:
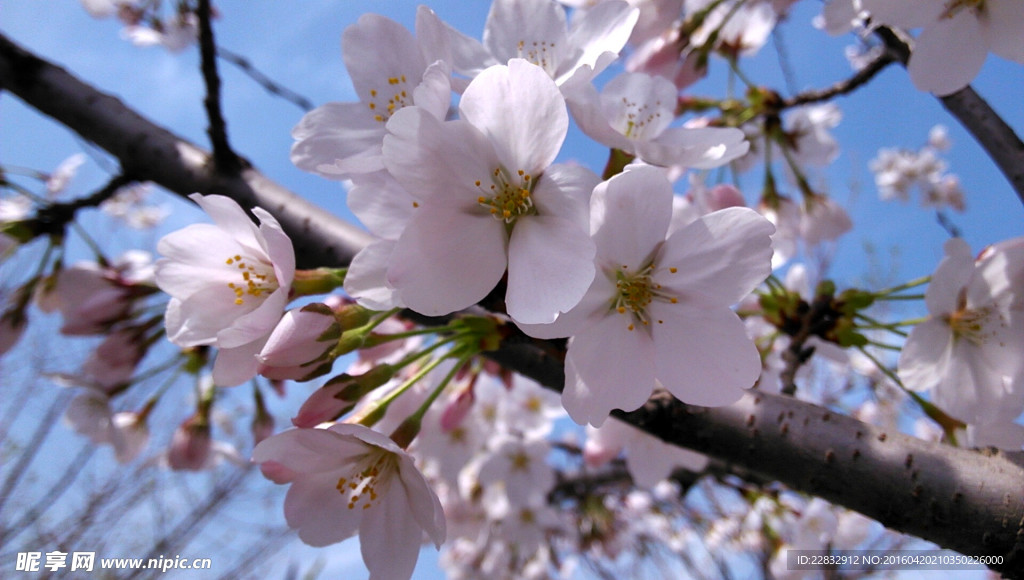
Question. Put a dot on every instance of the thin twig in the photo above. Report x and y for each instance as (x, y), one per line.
(53, 218)
(843, 87)
(224, 157)
(264, 81)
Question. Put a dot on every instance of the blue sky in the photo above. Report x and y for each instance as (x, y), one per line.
(298, 45)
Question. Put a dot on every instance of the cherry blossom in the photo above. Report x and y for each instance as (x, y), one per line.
(808, 131)
(537, 30)
(347, 479)
(956, 37)
(489, 200)
(968, 351)
(229, 283)
(89, 414)
(738, 27)
(113, 362)
(390, 70)
(661, 305)
(633, 112)
(92, 297)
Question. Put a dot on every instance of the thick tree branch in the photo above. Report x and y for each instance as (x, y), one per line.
(990, 130)
(148, 152)
(965, 500)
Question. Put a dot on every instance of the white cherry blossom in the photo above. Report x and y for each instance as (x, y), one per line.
(348, 479)
(229, 284)
(968, 352)
(658, 311)
(633, 113)
(390, 70)
(490, 200)
(538, 31)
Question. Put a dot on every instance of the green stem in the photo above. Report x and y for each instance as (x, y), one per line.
(375, 410)
(422, 410)
(906, 286)
(901, 297)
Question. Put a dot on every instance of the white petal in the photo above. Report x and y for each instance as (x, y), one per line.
(234, 366)
(319, 512)
(543, 283)
(630, 214)
(592, 308)
(308, 450)
(447, 260)
(564, 191)
(722, 256)
(611, 368)
(381, 204)
(905, 13)
(925, 355)
(638, 105)
(423, 502)
(585, 104)
(948, 55)
(381, 55)
(703, 148)
(521, 28)
(603, 28)
(951, 276)
(469, 57)
(366, 279)
(389, 537)
(231, 218)
(521, 110)
(439, 161)
(335, 139)
(278, 247)
(1004, 21)
(258, 323)
(704, 356)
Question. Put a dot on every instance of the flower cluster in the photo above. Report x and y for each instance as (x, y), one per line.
(898, 171)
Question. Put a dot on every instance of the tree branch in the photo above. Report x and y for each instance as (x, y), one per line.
(148, 152)
(225, 159)
(264, 81)
(842, 87)
(966, 500)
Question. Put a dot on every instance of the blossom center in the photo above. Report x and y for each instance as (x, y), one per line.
(507, 198)
(538, 52)
(258, 279)
(634, 292)
(361, 488)
(970, 324)
(399, 97)
(636, 118)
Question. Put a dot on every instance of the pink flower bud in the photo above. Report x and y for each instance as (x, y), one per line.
(323, 405)
(190, 445)
(723, 196)
(457, 409)
(301, 337)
